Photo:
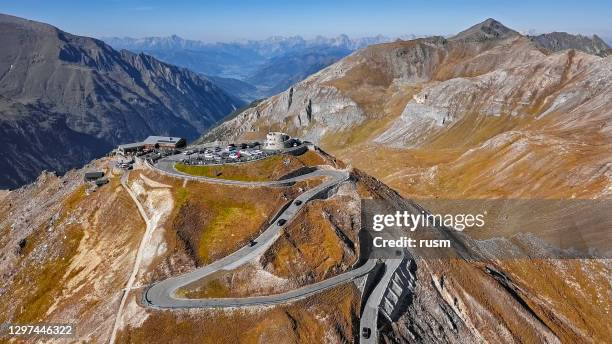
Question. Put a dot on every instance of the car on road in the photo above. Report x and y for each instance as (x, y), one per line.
(281, 222)
(297, 202)
(252, 243)
(366, 332)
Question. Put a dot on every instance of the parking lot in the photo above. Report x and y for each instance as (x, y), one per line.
(232, 153)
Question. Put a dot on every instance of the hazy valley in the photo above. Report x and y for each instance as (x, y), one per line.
(256, 69)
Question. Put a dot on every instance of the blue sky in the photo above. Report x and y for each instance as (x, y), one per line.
(230, 19)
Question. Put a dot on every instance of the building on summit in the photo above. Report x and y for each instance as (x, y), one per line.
(152, 142)
(277, 141)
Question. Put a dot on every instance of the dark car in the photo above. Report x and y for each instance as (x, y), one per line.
(281, 222)
(297, 202)
(252, 243)
(366, 332)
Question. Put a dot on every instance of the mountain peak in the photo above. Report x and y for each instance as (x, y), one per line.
(486, 30)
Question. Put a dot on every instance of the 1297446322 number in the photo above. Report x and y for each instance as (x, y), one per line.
(54, 330)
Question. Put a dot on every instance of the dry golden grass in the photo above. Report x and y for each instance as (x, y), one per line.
(210, 221)
(59, 268)
(271, 168)
(580, 307)
(331, 315)
(239, 282)
(214, 220)
(318, 244)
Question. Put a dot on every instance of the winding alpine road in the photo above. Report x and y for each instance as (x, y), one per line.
(163, 294)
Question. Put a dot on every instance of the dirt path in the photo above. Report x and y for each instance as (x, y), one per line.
(143, 242)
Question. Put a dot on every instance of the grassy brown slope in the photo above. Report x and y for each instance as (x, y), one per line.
(320, 243)
(271, 168)
(209, 221)
(74, 264)
(329, 316)
(569, 298)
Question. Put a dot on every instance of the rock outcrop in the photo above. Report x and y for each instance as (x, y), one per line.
(557, 41)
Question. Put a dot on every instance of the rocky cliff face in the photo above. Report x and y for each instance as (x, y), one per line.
(66, 99)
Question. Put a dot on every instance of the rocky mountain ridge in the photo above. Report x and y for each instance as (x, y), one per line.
(557, 41)
(440, 105)
(66, 99)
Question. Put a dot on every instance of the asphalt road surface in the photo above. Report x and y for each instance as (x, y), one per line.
(369, 316)
(163, 294)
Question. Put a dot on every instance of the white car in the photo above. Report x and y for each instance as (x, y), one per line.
(208, 155)
(245, 152)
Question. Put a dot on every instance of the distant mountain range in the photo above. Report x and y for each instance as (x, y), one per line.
(266, 66)
(67, 99)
